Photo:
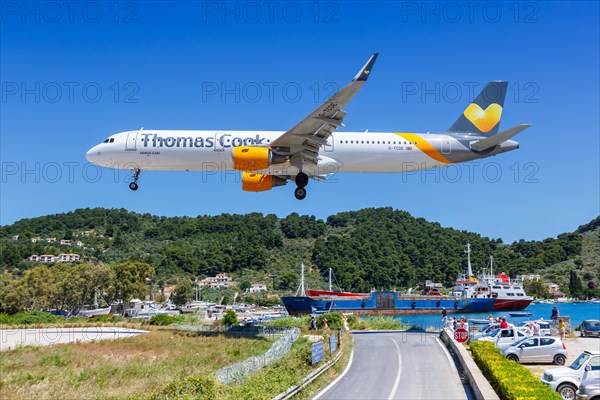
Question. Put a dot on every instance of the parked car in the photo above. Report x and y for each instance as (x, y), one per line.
(541, 349)
(544, 327)
(484, 330)
(589, 389)
(504, 336)
(566, 380)
(590, 327)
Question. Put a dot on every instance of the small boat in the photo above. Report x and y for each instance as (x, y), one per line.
(520, 314)
(95, 312)
(478, 321)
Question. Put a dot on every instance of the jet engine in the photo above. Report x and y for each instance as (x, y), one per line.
(249, 158)
(253, 182)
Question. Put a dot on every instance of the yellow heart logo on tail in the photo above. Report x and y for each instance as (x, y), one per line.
(486, 120)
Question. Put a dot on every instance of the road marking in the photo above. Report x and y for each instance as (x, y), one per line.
(397, 381)
(450, 360)
(322, 392)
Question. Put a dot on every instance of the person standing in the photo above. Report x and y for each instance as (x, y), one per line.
(536, 328)
(554, 315)
(503, 323)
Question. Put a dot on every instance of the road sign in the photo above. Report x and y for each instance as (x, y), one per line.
(317, 352)
(332, 344)
(461, 335)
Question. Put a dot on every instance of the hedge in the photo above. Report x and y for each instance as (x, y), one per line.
(510, 379)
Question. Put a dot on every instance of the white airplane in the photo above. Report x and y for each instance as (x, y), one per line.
(312, 148)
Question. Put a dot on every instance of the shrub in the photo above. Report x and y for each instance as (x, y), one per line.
(291, 322)
(334, 320)
(376, 323)
(30, 318)
(230, 318)
(165, 319)
(510, 379)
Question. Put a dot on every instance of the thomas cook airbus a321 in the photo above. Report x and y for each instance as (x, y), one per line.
(312, 148)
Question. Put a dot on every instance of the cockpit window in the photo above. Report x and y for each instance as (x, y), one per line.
(112, 140)
(106, 141)
(109, 140)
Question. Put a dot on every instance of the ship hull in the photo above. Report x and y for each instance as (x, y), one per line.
(384, 303)
(511, 305)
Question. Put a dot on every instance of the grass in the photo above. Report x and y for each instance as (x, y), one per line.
(118, 369)
(265, 384)
(376, 323)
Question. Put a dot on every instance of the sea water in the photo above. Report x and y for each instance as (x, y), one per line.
(577, 311)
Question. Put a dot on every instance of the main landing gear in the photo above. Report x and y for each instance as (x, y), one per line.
(301, 181)
(136, 174)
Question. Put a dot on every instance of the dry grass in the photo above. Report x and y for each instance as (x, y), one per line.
(117, 368)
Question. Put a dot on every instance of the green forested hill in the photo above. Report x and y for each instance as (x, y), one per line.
(370, 248)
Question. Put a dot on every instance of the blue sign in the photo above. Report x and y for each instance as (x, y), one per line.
(317, 352)
(332, 344)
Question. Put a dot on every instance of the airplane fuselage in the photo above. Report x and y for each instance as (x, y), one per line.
(205, 150)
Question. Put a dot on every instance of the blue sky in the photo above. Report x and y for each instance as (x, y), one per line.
(72, 75)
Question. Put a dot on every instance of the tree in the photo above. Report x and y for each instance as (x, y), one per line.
(183, 293)
(575, 284)
(230, 318)
(288, 281)
(245, 285)
(536, 288)
(130, 280)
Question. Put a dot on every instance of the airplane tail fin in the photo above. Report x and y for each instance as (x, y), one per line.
(482, 116)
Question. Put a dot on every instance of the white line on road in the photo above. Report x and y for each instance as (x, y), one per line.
(450, 360)
(322, 392)
(397, 381)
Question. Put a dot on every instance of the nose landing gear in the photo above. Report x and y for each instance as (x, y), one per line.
(136, 174)
(301, 180)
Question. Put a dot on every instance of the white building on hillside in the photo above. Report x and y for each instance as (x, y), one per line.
(257, 287)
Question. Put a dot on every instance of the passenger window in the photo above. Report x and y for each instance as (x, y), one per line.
(546, 341)
(530, 343)
(595, 363)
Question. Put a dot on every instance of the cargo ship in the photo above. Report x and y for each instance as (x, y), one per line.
(380, 303)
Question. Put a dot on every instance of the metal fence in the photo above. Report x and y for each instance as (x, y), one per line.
(278, 349)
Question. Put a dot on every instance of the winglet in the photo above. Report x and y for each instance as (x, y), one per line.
(364, 72)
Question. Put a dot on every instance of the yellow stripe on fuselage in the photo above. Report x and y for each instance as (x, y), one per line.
(425, 147)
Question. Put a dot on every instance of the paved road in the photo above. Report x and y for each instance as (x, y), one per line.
(398, 365)
(11, 338)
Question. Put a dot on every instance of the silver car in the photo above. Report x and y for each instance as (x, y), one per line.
(537, 349)
(589, 390)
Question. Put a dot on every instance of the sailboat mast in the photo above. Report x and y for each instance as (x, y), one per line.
(330, 279)
(469, 269)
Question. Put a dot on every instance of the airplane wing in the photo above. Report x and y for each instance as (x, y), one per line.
(306, 138)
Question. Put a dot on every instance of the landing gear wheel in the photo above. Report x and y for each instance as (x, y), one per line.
(136, 174)
(300, 193)
(301, 180)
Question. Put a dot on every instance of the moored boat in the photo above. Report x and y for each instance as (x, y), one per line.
(379, 303)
